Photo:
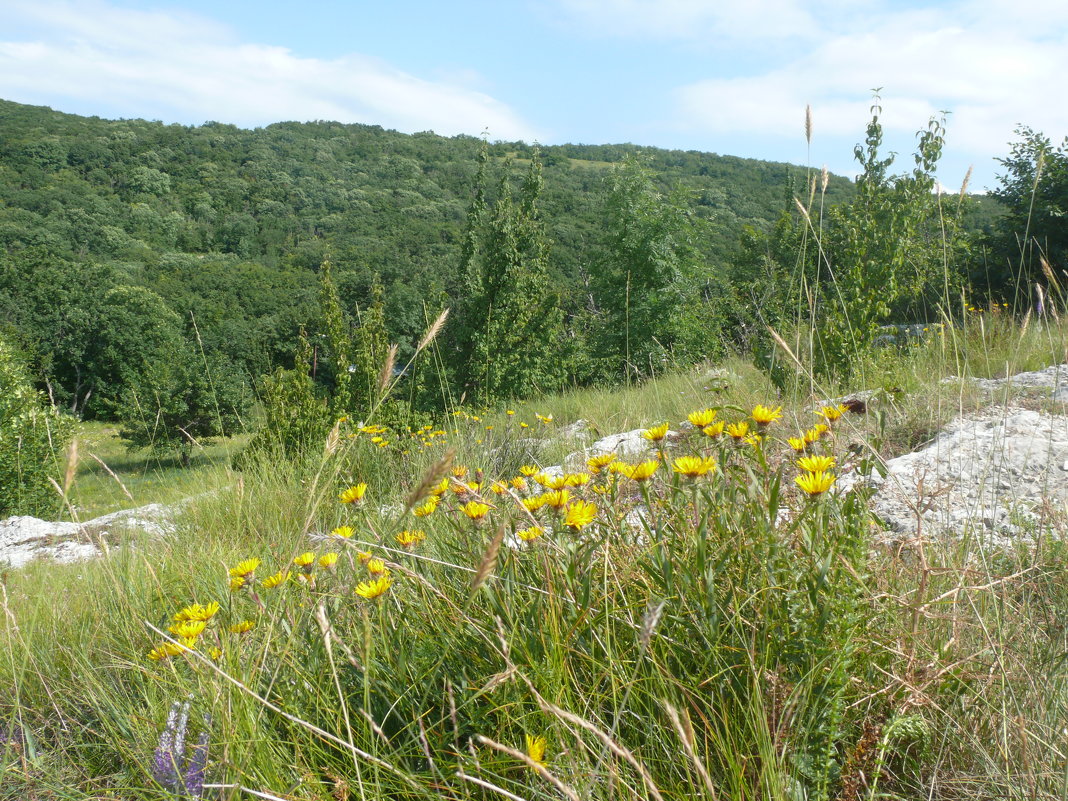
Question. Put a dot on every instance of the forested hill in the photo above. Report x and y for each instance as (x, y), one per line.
(171, 203)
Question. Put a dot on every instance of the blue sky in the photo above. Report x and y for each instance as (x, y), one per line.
(731, 77)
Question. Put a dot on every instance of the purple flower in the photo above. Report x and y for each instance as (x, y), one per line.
(169, 755)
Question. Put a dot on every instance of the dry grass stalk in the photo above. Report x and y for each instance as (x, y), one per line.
(489, 560)
(332, 440)
(568, 792)
(431, 478)
(686, 736)
(387, 369)
(608, 742)
(111, 473)
(803, 210)
(825, 179)
(72, 466)
(808, 123)
(432, 332)
(964, 184)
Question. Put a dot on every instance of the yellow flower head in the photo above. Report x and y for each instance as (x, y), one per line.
(579, 515)
(364, 556)
(304, 559)
(816, 464)
(656, 433)
(242, 627)
(544, 419)
(814, 484)
(576, 479)
(797, 443)
(215, 653)
(376, 567)
(475, 510)
(643, 471)
(530, 534)
(236, 583)
(498, 488)
(373, 588)
(528, 470)
(188, 629)
(328, 560)
(353, 494)
(556, 499)
(197, 612)
(276, 580)
(714, 430)
(832, 413)
(165, 650)
(765, 415)
(459, 471)
(440, 488)
(754, 440)
(738, 430)
(518, 483)
(343, 532)
(703, 418)
(536, 749)
(409, 539)
(244, 569)
(598, 463)
(535, 503)
(427, 508)
(694, 466)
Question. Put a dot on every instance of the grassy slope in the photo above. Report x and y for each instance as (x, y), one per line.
(719, 655)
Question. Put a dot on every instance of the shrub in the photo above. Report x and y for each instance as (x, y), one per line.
(33, 437)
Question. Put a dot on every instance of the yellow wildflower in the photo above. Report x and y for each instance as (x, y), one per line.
(535, 503)
(328, 560)
(518, 483)
(242, 627)
(656, 433)
(816, 464)
(576, 479)
(815, 483)
(579, 515)
(528, 470)
(188, 629)
(765, 415)
(353, 494)
(236, 583)
(498, 488)
(343, 532)
(276, 580)
(598, 463)
(738, 430)
(797, 443)
(643, 471)
(244, 569)
(536, 749)
(374, 588)
(427, 508)
(694, 466)
(459, 471)
(440, 488)
(556, 498)
(197, 612)
(714, 430)
(304, 559)
(475, 509)
(530, 534)
(377, 567)
(409, 539)
(702, 418)
(832, 413)
(165, 650)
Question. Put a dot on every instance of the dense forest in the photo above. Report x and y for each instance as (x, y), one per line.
(124, 240)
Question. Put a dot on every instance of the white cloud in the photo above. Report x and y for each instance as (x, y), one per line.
(182, 67)
(693, 19)
(991, 63)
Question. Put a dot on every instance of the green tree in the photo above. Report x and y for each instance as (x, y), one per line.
(1034, 193)
(511, 328)
(637, 282)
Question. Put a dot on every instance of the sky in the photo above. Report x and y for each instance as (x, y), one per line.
(727, 76)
